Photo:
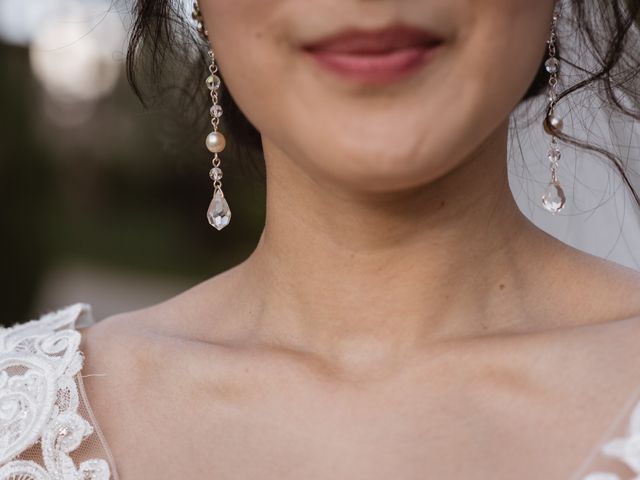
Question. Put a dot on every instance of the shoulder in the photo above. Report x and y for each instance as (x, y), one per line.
(608, 360)
(594, 310)
(143, 361)
(596, 353)
(40, 399)
(121, 348)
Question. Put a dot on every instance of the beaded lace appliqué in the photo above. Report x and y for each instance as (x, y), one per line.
(39, 400)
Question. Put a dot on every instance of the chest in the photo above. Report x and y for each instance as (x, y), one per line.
(521, 415)
(302, 432)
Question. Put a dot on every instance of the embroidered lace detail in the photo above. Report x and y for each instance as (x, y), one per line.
(624, 449)
(41, 428)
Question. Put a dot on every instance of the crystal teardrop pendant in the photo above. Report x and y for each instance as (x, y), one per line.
(553, 198)
(218, 213)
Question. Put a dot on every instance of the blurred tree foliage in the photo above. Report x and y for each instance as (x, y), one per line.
(125, 188)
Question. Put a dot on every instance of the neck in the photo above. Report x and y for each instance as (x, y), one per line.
(335, 268)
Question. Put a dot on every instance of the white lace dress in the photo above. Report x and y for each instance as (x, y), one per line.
(48, 431)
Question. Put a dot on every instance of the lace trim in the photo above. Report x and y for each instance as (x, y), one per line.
(39, 399)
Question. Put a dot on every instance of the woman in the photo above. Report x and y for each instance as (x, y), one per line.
(399, 317)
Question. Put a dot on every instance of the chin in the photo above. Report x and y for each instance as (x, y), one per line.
(393, 175)
(386, 169)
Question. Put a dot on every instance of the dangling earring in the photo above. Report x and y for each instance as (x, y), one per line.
(553, 199)
(218, 213)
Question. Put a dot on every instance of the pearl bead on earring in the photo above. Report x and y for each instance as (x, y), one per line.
(215, 142)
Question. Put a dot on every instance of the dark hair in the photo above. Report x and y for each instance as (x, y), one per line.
(606, 31)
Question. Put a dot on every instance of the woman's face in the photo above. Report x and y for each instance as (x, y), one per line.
(380, 135)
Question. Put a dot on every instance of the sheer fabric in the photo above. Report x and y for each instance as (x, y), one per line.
(48, 430)
(617, 455)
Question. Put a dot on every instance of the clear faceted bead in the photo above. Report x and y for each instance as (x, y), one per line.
(552, 65)
(554, 155)
(216, 111)
(215, 173)
(553, 198)
(219, 213)
(213, 82)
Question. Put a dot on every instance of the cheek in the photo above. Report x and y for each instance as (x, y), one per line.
(502, 51)
(491, 65)
(248, 39)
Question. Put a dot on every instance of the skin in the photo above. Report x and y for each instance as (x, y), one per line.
(400, 317)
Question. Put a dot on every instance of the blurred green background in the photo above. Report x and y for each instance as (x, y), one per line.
(102, 201)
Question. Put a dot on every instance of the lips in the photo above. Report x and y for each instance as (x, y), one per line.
(375, 56)
(356, 41)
